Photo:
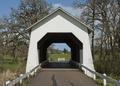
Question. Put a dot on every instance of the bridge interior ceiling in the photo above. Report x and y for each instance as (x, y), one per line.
(67, 38)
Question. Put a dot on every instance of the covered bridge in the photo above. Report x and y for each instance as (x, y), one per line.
(60, 27)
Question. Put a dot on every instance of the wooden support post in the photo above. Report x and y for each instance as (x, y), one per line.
(28, 76)
(32, 73)
(21, 79)
(7, 82)
(94, 77)
(104, 81)
(35, 71)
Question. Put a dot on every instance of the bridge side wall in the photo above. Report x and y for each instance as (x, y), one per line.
(60, 25)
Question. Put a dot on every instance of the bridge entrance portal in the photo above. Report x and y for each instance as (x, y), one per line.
(60, 27)
(68, 38)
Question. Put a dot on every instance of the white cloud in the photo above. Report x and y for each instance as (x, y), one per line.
(74, 11)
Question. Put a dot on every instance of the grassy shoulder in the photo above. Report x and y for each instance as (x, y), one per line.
(100, 82)
(11, 66)
(10, 69)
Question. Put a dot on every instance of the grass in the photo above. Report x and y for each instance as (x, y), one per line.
(9, 71)
(100, 82)
(11, 66)
(54, 57)
(14, 66)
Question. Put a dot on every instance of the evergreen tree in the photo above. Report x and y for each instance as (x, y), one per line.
(65, 51)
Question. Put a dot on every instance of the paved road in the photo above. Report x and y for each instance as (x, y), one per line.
(61, 77)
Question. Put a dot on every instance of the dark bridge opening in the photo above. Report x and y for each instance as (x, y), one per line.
(67, 38)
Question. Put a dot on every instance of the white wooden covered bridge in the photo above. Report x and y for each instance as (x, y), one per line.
(60, 27)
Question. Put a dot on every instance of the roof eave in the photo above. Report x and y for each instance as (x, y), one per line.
(59, 8)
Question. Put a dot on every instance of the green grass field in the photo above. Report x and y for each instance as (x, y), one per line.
(14, 66)
(7, 66)
(54, 57)
(10, 66)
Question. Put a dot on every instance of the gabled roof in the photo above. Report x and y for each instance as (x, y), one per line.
(66, 15)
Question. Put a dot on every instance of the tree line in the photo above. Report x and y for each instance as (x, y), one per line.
(104, 18)
(14, 36)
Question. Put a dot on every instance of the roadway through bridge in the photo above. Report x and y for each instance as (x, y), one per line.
(61, 77)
